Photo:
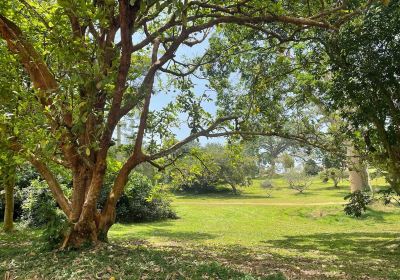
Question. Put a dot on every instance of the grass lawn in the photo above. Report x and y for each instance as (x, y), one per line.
(223, 236)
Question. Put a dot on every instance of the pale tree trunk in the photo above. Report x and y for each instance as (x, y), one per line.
(358, 172)
(272, 168)
(9, 184)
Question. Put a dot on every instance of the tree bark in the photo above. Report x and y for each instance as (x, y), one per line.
(358, 173)
(234, 189)
(272, 168)
(9, 184)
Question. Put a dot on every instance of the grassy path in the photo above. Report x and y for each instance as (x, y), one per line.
(258, 203)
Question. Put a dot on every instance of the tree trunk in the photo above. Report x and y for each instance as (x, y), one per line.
(336, 183)
(358, 173)
(234, 189)
(9, 184)
(272, 168)
(82, 234)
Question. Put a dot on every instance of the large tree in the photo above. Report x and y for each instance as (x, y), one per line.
(366, 87)
(267, 150)
(93, 62)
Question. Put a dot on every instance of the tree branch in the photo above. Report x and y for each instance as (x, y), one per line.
(54, 186)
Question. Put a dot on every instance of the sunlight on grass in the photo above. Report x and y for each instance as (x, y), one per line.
(298, 230)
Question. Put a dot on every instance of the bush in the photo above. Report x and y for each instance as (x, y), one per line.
(336, 175)
(389, 196)
(311, 168)
(142, 201)
(297, 180)
(267, 185)
(38, 206)
(55, 229)
(40, 210)
(25, 175)
(357, 204)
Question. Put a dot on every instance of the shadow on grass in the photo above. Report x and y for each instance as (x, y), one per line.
(357, 253)
(371, 215)
(122, 260)
(169, 234)
(305, 193)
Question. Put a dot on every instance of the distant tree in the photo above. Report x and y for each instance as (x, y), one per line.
(334, 174)
(287, 161)
(7, 182)
(268, 186)
(214, 164)
(311, 167)
(235, 168)
(12, 87)
(268, 149)
(297, 180)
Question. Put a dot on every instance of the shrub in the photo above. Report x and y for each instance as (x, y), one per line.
(38, 206)
(297, 180)
(40, 210)
(357, 204)
(311, 168)
(25, 175)
(389, 196)
(336, 175)
(55, 229)
(267, 185)
(142, 201)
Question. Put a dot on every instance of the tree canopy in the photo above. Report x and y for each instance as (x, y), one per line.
(92, 63)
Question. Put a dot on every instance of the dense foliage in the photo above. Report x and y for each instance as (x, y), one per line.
(79, 68)
(142, 201)
(334, 174)
(364, 58)
(203, 169)
(357, 204)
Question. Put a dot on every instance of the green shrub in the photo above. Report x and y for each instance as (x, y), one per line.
(40, 210)
(55, 229)
(141, 201)
(357, 204)
(25, 174)
(298, 180)
(201, 187)
(38, 205)
(311, 168)
(267, 185)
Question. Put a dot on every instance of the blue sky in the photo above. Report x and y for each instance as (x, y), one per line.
(200, 86)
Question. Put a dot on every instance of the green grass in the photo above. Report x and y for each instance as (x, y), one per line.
(223, 236)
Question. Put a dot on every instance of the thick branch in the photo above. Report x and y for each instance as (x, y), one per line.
(54, 186)
(40, 75)
(147, 88)
(190, 138)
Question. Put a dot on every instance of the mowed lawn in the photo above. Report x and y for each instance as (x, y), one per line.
(224, 236)
(308, 231)
(254, 219)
